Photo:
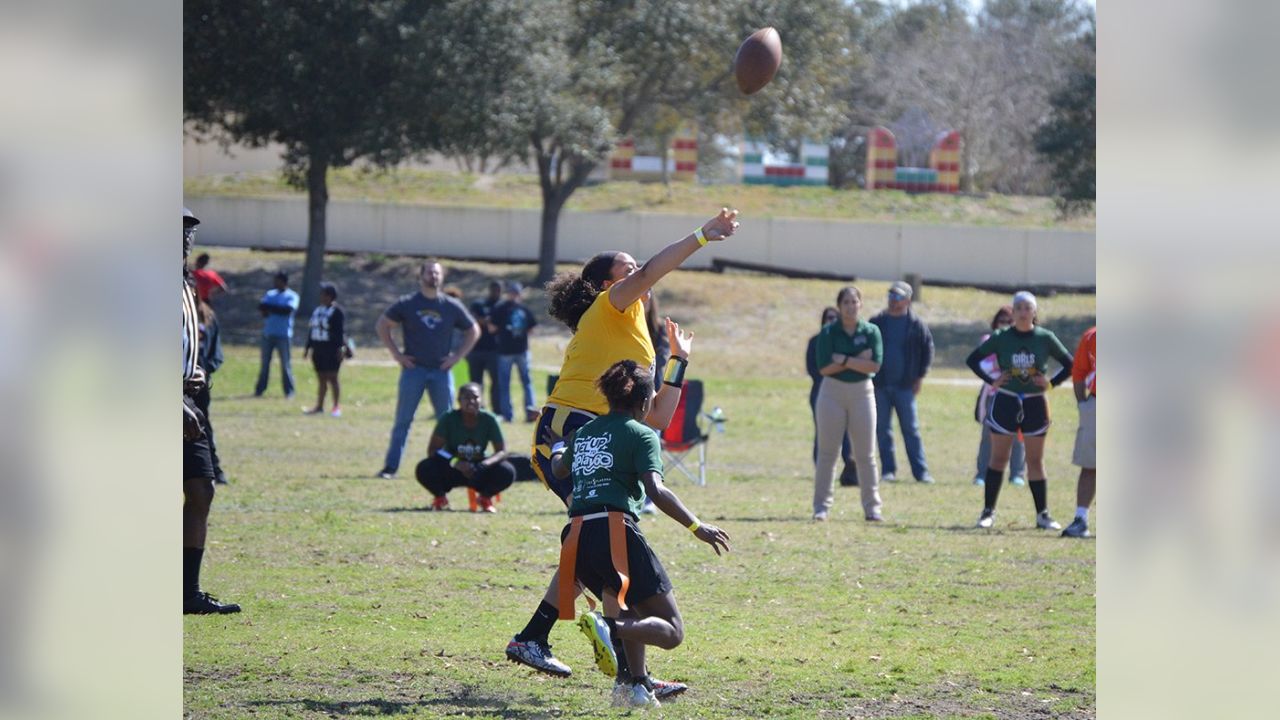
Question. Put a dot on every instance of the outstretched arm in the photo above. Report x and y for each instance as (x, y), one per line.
(669, 504)
(634, 286)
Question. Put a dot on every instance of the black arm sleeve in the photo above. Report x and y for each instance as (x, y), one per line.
(1060, 354)
(974, 361)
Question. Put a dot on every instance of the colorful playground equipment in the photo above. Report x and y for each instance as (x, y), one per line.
(811, 170)
(883, 171)
(682, 165)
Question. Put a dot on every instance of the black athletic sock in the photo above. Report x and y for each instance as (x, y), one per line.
(1040, 494)
(539, 627)
(624, 669)
(991, 490)
(191, 558)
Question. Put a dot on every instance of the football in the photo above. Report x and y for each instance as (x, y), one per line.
(757, 60)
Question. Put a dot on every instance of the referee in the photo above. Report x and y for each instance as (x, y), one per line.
(197, 462)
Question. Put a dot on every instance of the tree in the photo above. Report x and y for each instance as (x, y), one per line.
(592, 71)
(333, 81)
(1068, 138)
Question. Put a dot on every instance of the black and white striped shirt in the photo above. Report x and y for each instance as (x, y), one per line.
(190, 332)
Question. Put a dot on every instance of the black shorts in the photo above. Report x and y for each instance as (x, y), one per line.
(1007, 414)
(326, 357)
(564, 421)
(197, 460)
(595, 564)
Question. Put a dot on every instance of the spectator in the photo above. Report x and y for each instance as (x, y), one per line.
(455, 455)
(1084, 380)
(848, 354)
(427, 320)
(197, 462)
(277, 307)
(849, 476)
(327, 344)
(209, 284)
(210, 359)
(1018, 461)
(1020, 405)
(908, 353)
(510, 324)
(483, 358)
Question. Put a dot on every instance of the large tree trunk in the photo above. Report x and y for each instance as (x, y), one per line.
(552, 204)
(317, 204)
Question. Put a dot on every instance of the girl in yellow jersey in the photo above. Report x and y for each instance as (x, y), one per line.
(603, 307)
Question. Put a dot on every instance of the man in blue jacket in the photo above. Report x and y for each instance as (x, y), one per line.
(277, 307)
(908, 353)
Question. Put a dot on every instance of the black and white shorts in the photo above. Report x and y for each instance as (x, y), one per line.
(1009, 412)
(595, 564)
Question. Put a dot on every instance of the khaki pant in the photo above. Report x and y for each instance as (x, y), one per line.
(846, 408)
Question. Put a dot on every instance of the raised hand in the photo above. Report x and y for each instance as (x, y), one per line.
(721, 226)
(681, 342)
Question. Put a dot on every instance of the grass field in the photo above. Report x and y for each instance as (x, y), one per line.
(358, 603)
(759, 201)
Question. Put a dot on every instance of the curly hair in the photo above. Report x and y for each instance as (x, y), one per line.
(571, 294)
(626, 385)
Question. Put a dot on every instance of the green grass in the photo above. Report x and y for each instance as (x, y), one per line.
(359, 604)
(758, 201)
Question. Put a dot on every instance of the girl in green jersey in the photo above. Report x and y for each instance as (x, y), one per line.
(1023, 352)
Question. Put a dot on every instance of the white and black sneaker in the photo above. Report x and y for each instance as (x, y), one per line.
(634, 694)
(987, 518)
(537, 655)
(1044, 522)
(1079, 528)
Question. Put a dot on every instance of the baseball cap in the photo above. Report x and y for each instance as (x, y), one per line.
(514, 287)
(900, 288)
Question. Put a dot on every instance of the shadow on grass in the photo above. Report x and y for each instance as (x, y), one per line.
(381, 707)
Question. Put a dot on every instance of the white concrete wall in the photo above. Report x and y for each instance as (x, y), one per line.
(879, 251)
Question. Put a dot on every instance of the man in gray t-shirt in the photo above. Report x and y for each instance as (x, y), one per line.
(427, 320)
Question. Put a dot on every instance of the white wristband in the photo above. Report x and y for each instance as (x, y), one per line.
(558, 448)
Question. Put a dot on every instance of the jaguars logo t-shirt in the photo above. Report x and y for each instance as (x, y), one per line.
(607, 457)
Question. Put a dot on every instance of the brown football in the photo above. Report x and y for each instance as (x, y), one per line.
(757, 60)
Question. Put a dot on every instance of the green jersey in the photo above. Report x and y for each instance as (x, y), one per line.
(607, 457)
(832, 339)
(469, 443)
(1022, 355)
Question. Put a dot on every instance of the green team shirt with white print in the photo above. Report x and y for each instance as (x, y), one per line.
(469, 443)
(1023, 355)
(606, 457)
(833, 339)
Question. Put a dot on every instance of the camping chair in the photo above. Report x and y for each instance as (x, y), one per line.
(684, 434)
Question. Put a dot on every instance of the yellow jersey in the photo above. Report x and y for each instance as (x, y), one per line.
(605, 336)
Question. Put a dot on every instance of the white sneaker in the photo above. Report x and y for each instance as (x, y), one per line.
(987, 519)
(634, 695)
(337, 412)
(888, 477)
(1044, 522)
(821, 516)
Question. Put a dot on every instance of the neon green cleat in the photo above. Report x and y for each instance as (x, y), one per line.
(593, 626)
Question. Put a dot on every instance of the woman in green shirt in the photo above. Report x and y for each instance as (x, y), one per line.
(455, 455)
(1019, 405)
(616, 461)
(848, 354)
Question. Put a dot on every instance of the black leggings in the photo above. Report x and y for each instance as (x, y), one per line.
(435, 474)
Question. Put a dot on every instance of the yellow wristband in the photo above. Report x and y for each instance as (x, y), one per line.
(702, 239)
(693, 526)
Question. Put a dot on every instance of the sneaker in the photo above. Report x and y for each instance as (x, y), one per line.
(337, 412)
(888, 477)
(979, 481)
(875, 516)
(634, 695)
(484, 504)
(593, 626)
(202, 603)
(1017, 481)
(311, 411)
(439, 503)
(927, 479)
(663, 690)
(386, 474)
(849, 476)
(537, 655)
(648, 508)
(1044, 522)
(821, 515)
(987, 518)
(1077, 529)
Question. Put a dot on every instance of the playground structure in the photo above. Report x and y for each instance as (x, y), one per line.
(884, 173)
(681, 163)
(811, 170)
